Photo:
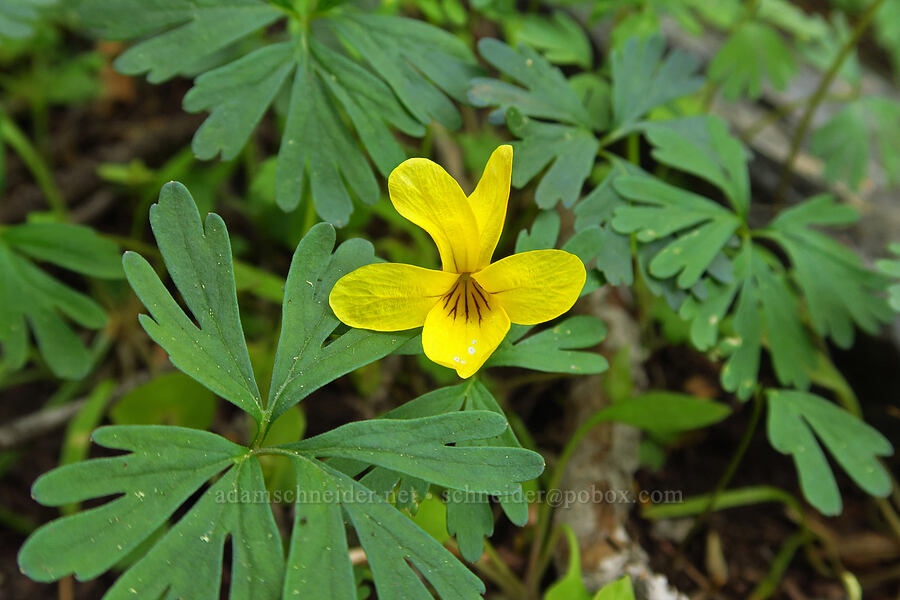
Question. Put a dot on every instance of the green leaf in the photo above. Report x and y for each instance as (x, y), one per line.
(793, 419)
(792, 19)
(468, 512)
(168, 465)
(844, 141)
(18, 17)
(150, 487)
(560, 38)
(701, 226)
(198, 258)
(302, 364)
(394, 544)
(546, 95)
(73, 247)
(891, 268)
(838, 290)
(469, 517)
(424, 454)
(643, 80)
(703, 147)
(570, 586)
(570, 149)
(32, 299)
(596, 210)
(340, 71)
(754, 53)
(765, 306)
(332, 156)
(664, 412)
(543, 234)
(556, 349)
(619, 589)
(161, 401)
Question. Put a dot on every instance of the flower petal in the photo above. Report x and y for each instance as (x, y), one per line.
(533, 287)
(464, 328)
(388, 296)
(424, 193)
(489, 201)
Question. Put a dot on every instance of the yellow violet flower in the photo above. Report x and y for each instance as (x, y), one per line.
(466, 308)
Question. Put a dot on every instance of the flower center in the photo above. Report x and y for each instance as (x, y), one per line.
(466, 299)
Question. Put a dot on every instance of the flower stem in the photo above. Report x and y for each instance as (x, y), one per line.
(800, 134)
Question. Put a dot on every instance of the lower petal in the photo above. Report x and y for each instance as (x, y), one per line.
(464, 328)
(388, 296)
(533, 287)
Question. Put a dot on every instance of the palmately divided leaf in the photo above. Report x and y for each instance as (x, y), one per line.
(546, 95)
(152, 484)
(468, 512)
(560, 38)
(32, 299)
(703, 147)
(765, 307)
(752, 55)
(343, 70)
(570, 149)
(302, 363)
(844, 142)
(700, 226)
(838, 290)
(597, 210)
(316, 145)
(793, 419)
(424, 455)
(556, 349)
(643, 80)
(568, 143)
(198, 258)
(393, 543)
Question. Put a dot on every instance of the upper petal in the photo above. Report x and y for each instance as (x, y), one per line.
(388, 296)
(464, 328)
(489, 201)
(533, 287)
(424, 193)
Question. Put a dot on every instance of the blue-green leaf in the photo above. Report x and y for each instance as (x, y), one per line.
(838, 290)
(302, 364)
(642, 79)
(198, 257)
(754, 53)
(793, 419)
(701, 226)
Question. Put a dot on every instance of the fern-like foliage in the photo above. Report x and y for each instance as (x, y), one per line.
(338, 70)
(181, 492)
(643, 78)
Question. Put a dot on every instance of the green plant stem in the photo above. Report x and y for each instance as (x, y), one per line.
(542, 526)
(18, 141)
(785, 109)
(510, 584)
(733, 498)
(544, 560)
(818, 96)
(769, 583)
(730, 470)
